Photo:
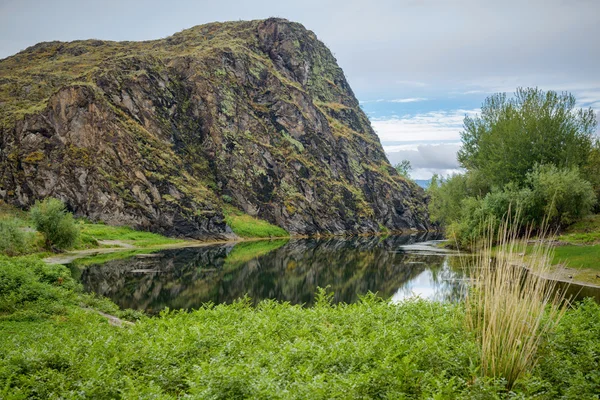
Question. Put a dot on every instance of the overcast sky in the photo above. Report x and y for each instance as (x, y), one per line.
(417, 66)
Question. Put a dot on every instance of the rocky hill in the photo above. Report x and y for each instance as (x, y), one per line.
(162, 134)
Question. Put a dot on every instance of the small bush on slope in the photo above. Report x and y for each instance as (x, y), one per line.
(51, 218)
(13, 240)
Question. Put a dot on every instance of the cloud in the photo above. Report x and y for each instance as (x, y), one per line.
(427, 159)
(411, 83)
(586, 92)
(430, 126)
(406, 100)
(438, 156)
(588, 98)
(429, 140)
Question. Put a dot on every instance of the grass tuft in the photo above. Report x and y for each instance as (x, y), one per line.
(512, 306)
(247, 226)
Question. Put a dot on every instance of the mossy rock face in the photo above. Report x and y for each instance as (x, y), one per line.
(155, 134)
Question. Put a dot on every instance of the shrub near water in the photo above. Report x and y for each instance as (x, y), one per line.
(50, 217)
(12, 238)
(558, 196)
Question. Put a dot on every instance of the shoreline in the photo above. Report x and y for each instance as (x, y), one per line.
(558, 273)
(72, 255)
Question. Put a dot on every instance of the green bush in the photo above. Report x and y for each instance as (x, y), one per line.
(591, 172)
(550, 195)
(30, 287)
(51, 218)
(561, 195)
(12, 238)
(445, 198)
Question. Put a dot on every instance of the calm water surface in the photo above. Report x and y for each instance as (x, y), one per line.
(394, 267)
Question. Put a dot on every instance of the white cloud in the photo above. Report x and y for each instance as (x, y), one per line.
(426, 159)
(431, 126)
(587, 93)
(411, 83)
(408, 100)
(406, 137)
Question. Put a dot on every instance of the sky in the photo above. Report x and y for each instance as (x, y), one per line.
(418, 67)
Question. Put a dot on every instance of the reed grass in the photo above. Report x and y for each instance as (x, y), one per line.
(513, 303)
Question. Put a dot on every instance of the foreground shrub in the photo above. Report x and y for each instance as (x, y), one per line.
(31, 288)
(512, 305)
(12, 238)
(50, 217)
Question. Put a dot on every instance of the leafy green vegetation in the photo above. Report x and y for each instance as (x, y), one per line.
(51, 219)
(549, 196)
(247, 226)
(403, 168)
(579, 257)
(95, 232)
(512, 135)
(13, 240)
(18, 235)
(52, 347)
(532, 153)
(584, 231)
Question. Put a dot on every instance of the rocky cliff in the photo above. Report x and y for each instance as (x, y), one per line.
(162, 134)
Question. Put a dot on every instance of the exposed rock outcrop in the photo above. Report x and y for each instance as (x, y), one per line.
(160, 134)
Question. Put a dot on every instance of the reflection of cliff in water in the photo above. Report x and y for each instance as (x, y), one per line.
(287, 271)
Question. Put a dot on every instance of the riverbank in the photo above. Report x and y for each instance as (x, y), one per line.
(577, 252)
(99, 239)
(55, 343)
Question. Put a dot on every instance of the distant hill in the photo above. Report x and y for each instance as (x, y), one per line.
(164, 134)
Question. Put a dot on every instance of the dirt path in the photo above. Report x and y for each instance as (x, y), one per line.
(117, 243)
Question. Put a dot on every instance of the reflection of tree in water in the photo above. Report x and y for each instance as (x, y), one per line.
(186, 278)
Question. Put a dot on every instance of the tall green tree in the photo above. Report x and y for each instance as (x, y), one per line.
(534, 127)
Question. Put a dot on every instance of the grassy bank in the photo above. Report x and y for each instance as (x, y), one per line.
(578, 252)
(247, 226)
(51, 347)
(91, 235)
(98, 235)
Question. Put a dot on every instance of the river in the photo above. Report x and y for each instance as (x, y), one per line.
(394, 267)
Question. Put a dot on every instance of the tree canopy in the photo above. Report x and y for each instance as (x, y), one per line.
(512, 135)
